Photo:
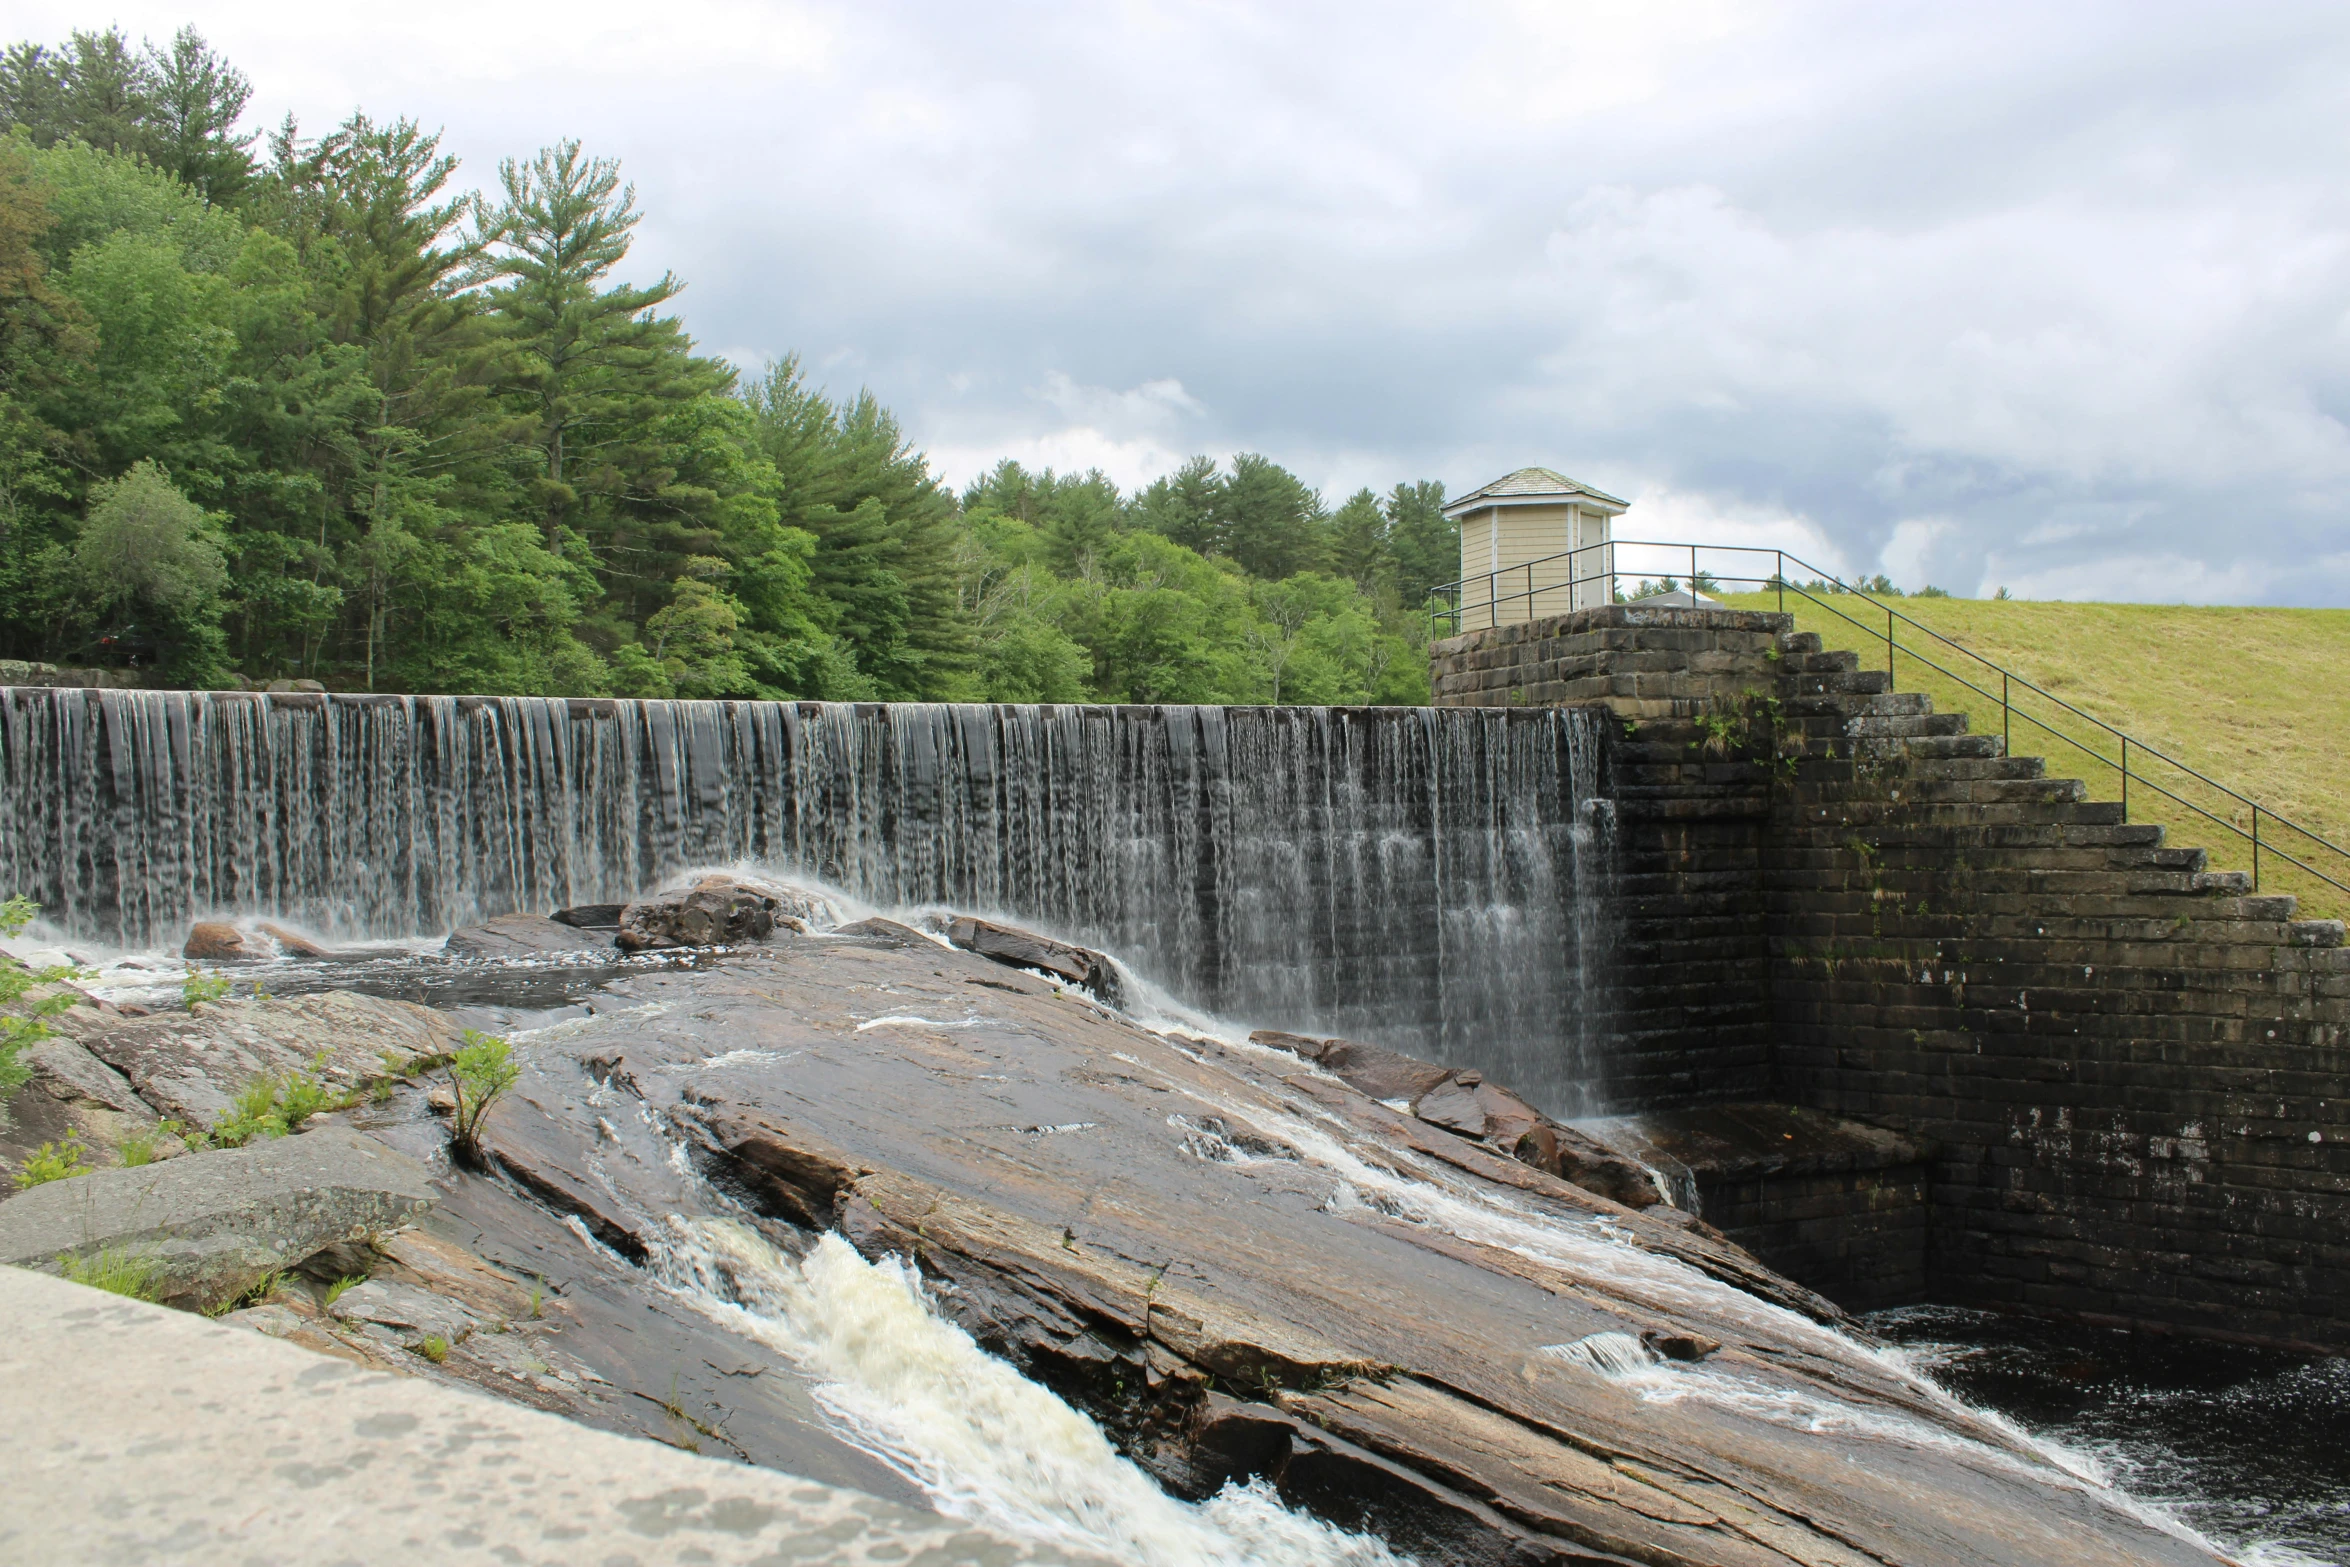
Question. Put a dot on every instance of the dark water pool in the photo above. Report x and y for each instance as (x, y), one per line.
(2252, 1447)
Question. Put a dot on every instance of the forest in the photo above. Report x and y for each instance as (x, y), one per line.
(294, 406)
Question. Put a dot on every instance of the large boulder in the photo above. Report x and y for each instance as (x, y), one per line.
(191, 1065)
(1015, 948)
(214, 1224)
(716, 911)
(525, 936)
(248, 941)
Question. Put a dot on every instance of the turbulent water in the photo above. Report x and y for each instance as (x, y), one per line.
(2250, 1446)
(1425, 877)
(983, 1442)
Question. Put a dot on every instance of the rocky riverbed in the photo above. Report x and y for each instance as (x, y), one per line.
(783, 1204)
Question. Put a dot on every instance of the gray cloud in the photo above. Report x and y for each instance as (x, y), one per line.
(2049, 297)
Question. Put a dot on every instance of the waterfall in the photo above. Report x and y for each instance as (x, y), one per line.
(1423, 877)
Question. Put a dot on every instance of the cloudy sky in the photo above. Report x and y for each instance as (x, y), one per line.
(2055, 297)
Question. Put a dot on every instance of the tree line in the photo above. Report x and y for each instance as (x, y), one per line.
(299, 406)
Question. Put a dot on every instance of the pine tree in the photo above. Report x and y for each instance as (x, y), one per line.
(194, 99)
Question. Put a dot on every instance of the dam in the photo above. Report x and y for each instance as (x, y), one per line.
(1788, 964)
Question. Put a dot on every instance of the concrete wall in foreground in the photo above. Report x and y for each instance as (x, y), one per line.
(137, 1435)
(2135, 1072)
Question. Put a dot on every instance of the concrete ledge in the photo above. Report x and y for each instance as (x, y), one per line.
(139, 1435)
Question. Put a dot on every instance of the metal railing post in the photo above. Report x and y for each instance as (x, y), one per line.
(1781, 580)
(1692, 576)
(2255, 848)
(1888, 647)
(2125, 778)
(2005, 744)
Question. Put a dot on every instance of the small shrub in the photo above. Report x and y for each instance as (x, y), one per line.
(53, 1162)
(142, 1147)
(118, 1270)
(538, 1299)
(253, 1116)
(433, 1347)
(200, 987)
(30, 1025)
(479, 1074)
(251, 1297)
(306, 1094)
(343, 1286)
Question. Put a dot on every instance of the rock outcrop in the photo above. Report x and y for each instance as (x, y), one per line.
(211, 1225)
(191, 1065)
(1246, 1271)
(716, 911)
(1463, 1103)
(526, 936)
(1082, 967)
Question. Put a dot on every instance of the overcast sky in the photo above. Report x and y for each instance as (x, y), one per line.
(2044, 296)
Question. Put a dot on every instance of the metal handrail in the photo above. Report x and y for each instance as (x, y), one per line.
(1457, 610)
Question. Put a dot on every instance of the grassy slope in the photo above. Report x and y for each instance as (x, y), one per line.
(2258, 699)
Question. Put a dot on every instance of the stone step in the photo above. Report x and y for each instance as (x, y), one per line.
(1805, 642)
(1904, 725)
(1956, 745)
(1857, 682)
(1844, 750)
(1848, 704)
(1819, 663)
(1979, 766)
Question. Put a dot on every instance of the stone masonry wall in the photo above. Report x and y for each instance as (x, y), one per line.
(1689, 1006)
(2136, 1072)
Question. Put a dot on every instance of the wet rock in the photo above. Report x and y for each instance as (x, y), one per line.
(1088, 970)
(216, 941)
(257, 941)
(191, 1065)
(1357, 1305)
(524, 936)
(717, 911)
(590, 916)
(1463, 1103)
(215, 1223)
(1376, 1070)
(882, 933)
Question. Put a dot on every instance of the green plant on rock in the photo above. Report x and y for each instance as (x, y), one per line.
(269, 1106)
(253, 1116)
(254, 1295)
(479, 1073)
(118, 1270)
(24, 1024)
(199, 988)
(144, 1146)
(53, 1162)
(343, 1286)
(306, 1094)
(432, 1347)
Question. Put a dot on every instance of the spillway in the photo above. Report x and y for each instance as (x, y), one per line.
(1428, 878)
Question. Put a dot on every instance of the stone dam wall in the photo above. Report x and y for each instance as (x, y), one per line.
(2125, 1077)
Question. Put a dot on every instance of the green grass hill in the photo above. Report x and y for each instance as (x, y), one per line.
(2257, 699)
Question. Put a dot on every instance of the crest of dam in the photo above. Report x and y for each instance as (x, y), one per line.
(1427, 878)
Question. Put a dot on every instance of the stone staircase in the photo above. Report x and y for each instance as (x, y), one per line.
(2136, 1068)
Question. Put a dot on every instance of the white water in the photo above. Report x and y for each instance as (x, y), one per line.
(986, 1444)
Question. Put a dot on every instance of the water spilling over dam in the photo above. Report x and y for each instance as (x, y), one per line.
(1426, 877)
